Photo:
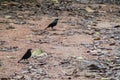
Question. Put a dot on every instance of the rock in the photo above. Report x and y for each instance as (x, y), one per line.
(46, 79)
(65, 63)
(97, 38)
(117, 61)
(88, 9)
(18, 77)
(83, 1)
(83, 64)
(109, 73)
(117, 75)
(55, 1)
(41, 62)
(112, 44)
(79, 58)
(90, 75)
(33, 74)
(70, 71)
(88, 32)
(70, 33)
(104, 24)
(92, 65)
(116, 67)
(93, 51)
(10, 27)
(105, 79)
(11, 57)
(42, 72)
(25, 71)
(20, 22)
(27, 77)
(9, 49)
(8, 16)
(37, 52)
(95, 6)
(117, 52)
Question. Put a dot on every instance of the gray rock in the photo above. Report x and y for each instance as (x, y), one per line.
(117, 61)
(42, 72)
(25, 71)
(92, 65)
(117, 75)
(83, 1)
(117, 52)
(69, 72)
(27, 77)
(90, 75)
(19, 77)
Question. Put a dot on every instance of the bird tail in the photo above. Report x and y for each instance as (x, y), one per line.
(19, 60)
(45, 28)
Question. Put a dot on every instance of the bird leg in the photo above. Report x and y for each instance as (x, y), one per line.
(27, 61)
(53, 29)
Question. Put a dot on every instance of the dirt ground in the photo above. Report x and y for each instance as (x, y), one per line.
(65, 41)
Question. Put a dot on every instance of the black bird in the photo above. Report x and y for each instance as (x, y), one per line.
(26, 55)
(53, 24)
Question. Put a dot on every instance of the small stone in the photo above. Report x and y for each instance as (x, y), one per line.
(92, 65)
(79, 58)
(97, 38)
(23, 72)
(27, 77)
(90, 75)
(105, 79)
(10, 27)
(83, 1)
(69, 72)
(42, 72)
(19, 77)
(112, 44)
(8, 16)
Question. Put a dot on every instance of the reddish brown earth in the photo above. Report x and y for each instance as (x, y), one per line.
(22, 34)
(58, 42)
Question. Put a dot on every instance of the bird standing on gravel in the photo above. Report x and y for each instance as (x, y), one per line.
(26, 55)
(53, 24)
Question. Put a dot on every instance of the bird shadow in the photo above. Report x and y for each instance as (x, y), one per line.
(54, 30)
(50, 29)
(24, 62)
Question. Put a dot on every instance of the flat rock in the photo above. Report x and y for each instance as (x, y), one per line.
(83, 1)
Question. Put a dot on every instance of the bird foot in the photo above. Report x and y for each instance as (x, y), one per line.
(27, 62)
(53, 29)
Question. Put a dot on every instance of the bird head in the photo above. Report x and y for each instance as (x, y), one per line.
(56, 19)
(29, 49)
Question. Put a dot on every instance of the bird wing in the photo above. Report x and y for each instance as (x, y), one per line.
(50, 25)
(24, 56)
